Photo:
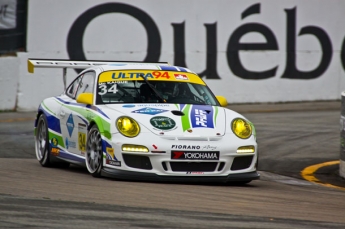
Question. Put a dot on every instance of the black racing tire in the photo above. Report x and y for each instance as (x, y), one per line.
(242, 182)
(94, 152)
(42, 142)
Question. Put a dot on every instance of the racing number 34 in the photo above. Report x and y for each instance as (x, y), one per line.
(103, 89)
(82, 141)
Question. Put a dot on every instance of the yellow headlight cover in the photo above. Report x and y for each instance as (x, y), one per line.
(241, 128)
(128, 126)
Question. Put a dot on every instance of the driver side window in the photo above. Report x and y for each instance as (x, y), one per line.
(72, 89)
(84, 83)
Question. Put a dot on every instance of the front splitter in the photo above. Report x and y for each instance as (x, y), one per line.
(142, 176)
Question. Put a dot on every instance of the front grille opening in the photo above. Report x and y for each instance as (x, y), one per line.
(165, 166)
(193, 166)
(241, 163)
(137, 161)
(221, 166)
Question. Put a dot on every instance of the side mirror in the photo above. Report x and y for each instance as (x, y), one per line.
(222, 100)
(85, 98)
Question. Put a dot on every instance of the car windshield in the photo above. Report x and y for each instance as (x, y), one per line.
(169, 90)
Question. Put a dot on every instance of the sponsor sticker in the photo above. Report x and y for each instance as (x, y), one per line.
(54, 142)
(181, 77)
(70, 125)
(185, 147)
(192, 155)
(128, 106)
(162, 123)
(138, 75)
(202, 117)
(164, 74)
(209, 147)
(55, 151)
(153, 105)
(110, 151)
(82, 138)
(70, 143)
(114, 163)
(149, 110)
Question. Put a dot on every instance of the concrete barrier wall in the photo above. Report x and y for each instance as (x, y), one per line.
(342, 137)
(9, 79)
(248, 51)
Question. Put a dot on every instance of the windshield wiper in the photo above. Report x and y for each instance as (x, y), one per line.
(153, 89)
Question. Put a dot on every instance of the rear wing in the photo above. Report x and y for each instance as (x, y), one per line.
(64, 64)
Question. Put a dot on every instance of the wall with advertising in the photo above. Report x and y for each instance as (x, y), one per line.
(248, 51)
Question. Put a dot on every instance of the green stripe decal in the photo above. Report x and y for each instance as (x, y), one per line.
(103, 125)
(253, 128)
(45, 107)
(215, 116)
(185, 118)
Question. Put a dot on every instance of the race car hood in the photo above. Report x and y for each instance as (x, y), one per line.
(178, 119)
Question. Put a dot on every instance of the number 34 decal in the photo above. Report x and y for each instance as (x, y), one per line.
(103, 89)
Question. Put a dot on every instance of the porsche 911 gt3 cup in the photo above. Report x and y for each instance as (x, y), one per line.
(143, 121)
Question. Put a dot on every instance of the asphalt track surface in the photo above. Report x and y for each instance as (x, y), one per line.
(292, 137)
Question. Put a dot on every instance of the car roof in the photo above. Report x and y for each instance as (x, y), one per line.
(144, 66)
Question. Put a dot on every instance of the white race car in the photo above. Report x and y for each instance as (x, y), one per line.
(143, 121)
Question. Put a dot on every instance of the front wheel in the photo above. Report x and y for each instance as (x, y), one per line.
(94, 152)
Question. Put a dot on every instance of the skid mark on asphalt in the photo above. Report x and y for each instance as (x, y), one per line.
(308, 174)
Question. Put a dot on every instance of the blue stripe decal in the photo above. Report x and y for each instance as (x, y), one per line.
(69, 156)
(53, 122)
(182, 69)
(168, 68)
(84, 105)
(84, 120)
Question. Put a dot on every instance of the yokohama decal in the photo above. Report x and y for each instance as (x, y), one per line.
(192, 155)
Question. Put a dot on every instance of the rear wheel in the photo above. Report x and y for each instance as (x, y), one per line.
(42, 142)
(94, 152)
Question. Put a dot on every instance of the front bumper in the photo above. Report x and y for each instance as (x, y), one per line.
(163, 166)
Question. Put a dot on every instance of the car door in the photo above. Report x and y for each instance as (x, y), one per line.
(72, 120)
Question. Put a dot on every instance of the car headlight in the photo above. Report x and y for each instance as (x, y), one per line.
(134, 148)
(128, 127)
(241, 128)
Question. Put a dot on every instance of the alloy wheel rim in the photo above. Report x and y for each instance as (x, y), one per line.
(94, 151)
(41, 139)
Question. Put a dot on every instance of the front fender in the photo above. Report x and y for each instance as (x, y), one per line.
(103, 125)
